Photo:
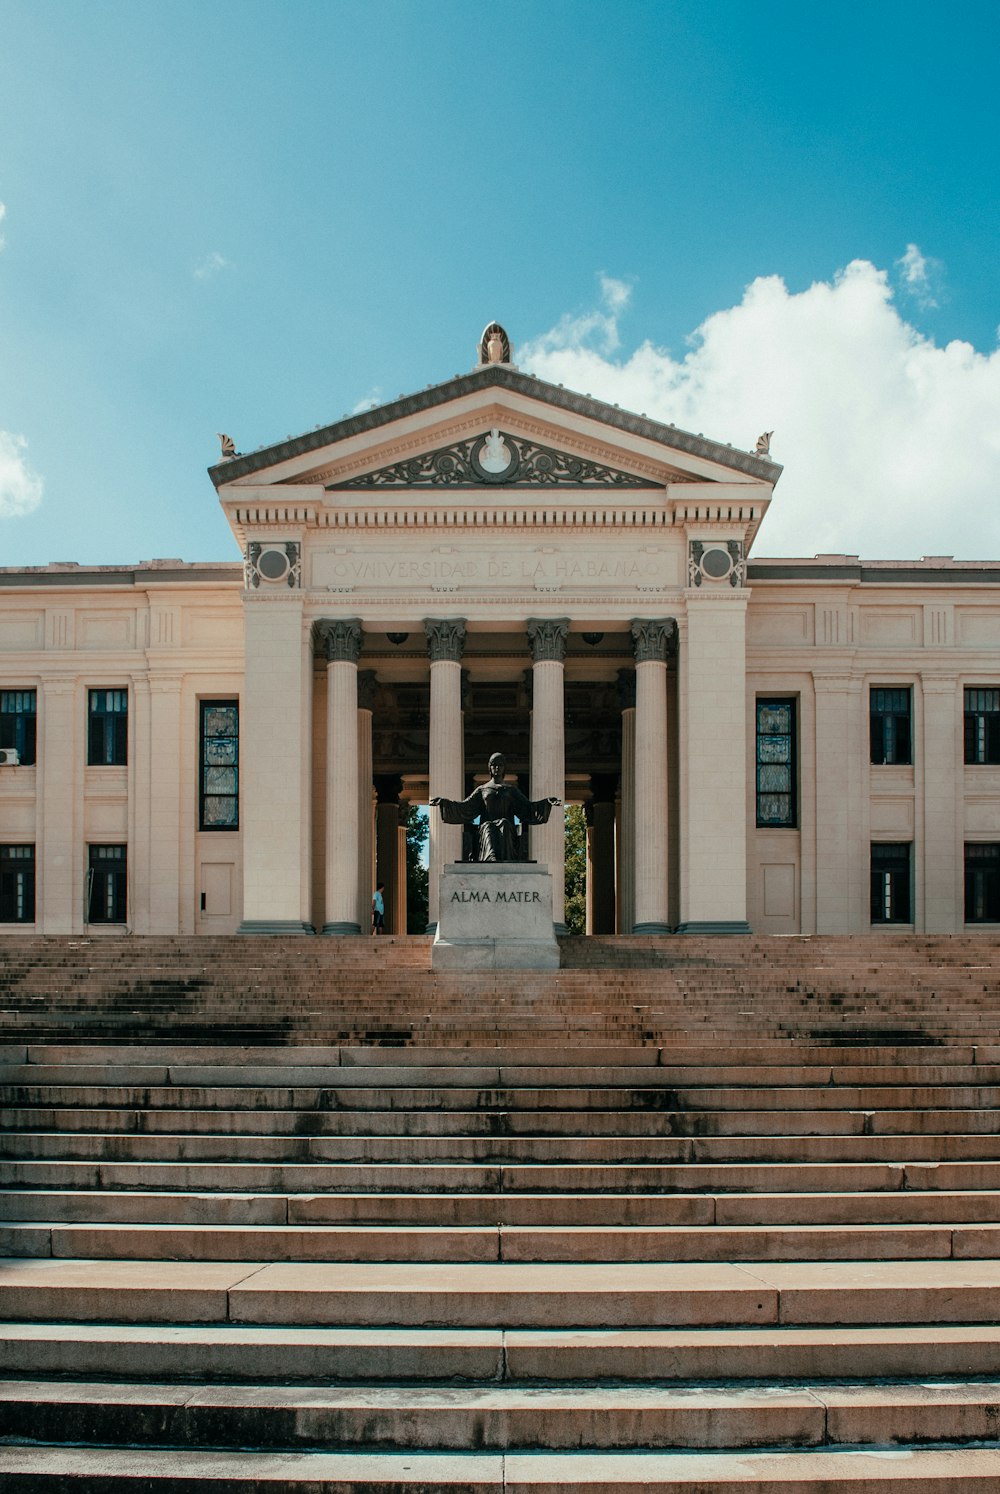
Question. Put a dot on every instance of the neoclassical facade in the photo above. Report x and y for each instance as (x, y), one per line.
(790, 746)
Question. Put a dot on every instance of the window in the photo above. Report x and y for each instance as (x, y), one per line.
(220, 771)
(776, 763)
(891, 883)
(982, 884)
(889, 720)
(106, 885)
(107, 728)
(17, 884)
(982, 725)
(17, 722)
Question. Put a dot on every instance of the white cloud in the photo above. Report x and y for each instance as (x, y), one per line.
(371, 399)
(211, 265)
(921, 277)
(891, 443)
(3, 214)
(599, 325)
(20, 487)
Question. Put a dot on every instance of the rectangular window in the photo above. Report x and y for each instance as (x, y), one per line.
(106, 884)
(776, 763)
(982, 725)
(107, 728)
(890, 867)
(982, 883)
(889, 721)
(17, 884)
(220, 765)
(17, 722)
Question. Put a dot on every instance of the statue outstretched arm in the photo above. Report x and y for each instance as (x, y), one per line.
(458, 811)
(540, 809)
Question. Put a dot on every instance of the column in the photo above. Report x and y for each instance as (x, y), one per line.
(388, 788)
(939, 759)
(651, 637)
(715, 786)
(60, 859)
(402, 872)
(547, 637)
(626, 817)
(600, 811)
(341, 642)
(276, 755)
(366, 800)
(841, 844)
(446, 765)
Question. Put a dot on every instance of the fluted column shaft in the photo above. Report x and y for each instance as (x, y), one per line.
(446, 766)
(547, 637)
(342, 642)
(366, 800)
(651, 637)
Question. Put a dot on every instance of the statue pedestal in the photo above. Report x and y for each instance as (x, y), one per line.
(495, 915)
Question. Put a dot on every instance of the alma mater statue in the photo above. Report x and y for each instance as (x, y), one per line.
(496, 805)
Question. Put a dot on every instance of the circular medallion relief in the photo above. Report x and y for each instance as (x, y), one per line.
(716, 564)
(272, 565)
(494, 458)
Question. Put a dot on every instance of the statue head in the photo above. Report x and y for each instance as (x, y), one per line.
(498, 765)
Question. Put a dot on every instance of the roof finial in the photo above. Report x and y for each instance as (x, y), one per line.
(763, 448)
(494, 345)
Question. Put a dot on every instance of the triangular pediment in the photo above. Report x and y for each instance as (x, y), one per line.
(495, 459)
(460, 435)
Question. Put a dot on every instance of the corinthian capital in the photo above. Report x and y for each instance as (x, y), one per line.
(445, 638)
(651, 638)
(547, 636)
(339, 639)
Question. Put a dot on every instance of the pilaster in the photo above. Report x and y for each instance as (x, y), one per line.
(60, 854)
(275, 730)
(841, 843)
(941, 766)
(714, 781)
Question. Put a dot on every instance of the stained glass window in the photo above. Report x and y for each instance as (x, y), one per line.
(220, 757)
(776, 806)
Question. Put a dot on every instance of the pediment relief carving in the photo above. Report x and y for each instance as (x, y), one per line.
(495, 458)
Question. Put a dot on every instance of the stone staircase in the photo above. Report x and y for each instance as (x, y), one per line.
(682, 1217)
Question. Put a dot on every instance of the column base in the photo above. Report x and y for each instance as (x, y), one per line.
(652, 928)
(341, 928)
(274, 926)
(708, 926)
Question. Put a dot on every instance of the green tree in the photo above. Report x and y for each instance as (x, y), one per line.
(576, 870)
(417, 831)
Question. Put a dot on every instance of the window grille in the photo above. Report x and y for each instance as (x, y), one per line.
(890, 883)
(18, 720)
(982, 724)
(17, 884)
(889, 721)
(107, 728)
(107, 881)
(982, 883)
(776, 797)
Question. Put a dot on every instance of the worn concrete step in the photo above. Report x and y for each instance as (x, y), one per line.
(497, 1417)
(471, 1177)
(248, 1354)
(505, 1150)
(505, 1294)
(67, 1120)
(360, 1097)
(104, 1205)
(46, 1470)
(231, 1242)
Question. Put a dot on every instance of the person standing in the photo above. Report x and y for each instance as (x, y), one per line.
(378, 910)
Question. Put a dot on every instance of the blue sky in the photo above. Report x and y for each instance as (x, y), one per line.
(253, 217)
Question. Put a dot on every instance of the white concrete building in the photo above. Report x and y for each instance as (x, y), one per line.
(795, 745)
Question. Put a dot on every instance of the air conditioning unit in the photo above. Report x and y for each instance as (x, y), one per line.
(9, 757)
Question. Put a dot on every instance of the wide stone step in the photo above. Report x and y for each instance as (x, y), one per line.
(644, 1097)
(500, 1122)
(505, 1150)
(249, 1354)
(506, 1243)
(624, 1210)
(500, 1417)
(471, 1177)
(509, 1295)
(41, 1470)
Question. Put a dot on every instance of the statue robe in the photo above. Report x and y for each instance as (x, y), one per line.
(497, 807)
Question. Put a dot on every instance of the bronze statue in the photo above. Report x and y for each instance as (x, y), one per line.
(496, 805)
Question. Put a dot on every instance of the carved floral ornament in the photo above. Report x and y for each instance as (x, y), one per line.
(495, 459)
(652, 638)
(272, 563)
(547, 636)
(339, 639)
(445, 638)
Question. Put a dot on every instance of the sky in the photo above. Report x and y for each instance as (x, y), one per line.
(255, 216)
